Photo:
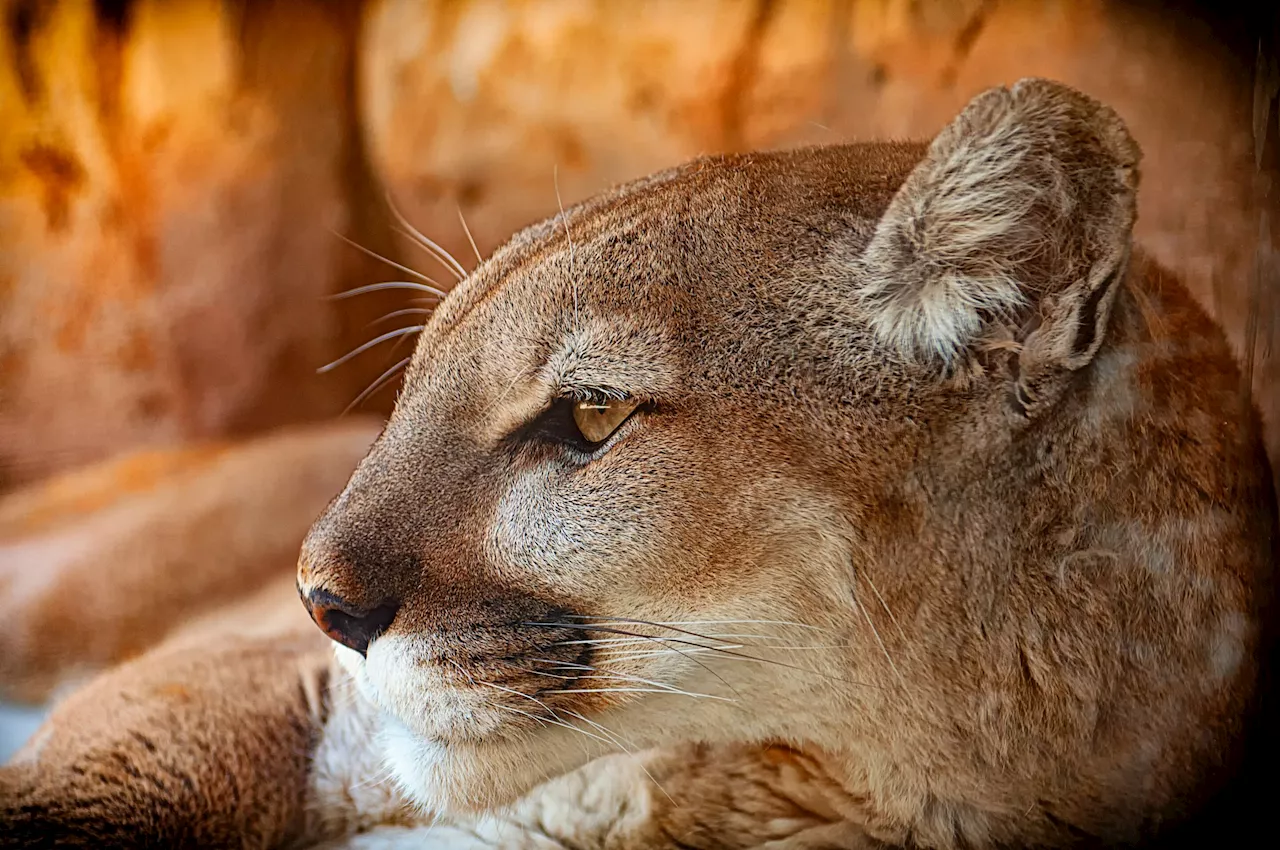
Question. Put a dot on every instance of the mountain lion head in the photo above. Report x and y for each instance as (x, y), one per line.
(902, 454)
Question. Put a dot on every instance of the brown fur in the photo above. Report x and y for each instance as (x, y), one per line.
(937, 479)
(198, 747)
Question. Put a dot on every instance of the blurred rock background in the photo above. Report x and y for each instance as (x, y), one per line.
(178, 177)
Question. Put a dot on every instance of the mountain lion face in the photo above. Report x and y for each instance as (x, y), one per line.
(894, 452)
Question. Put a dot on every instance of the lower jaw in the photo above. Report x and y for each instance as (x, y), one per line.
(457, 776)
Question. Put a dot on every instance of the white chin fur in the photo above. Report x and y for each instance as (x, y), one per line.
(447, 778)
(436, 739)
(416, 765)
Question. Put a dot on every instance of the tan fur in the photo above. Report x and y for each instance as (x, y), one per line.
(943, 522)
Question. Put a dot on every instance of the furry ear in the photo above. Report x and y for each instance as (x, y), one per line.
(1028, 197)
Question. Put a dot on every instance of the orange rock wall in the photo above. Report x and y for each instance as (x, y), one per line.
(172, 172)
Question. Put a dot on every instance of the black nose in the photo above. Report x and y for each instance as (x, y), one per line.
(348, 624)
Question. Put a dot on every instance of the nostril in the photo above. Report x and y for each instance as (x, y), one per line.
(349, 624)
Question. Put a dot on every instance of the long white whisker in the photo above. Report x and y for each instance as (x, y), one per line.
(721, 655)
(552, 675)
(637, 634)
(444, 257)
(439, 256)
(604, 730)
(553, 719)
(619, 677)
(462, 670)
(741, 622)
(610, 675)
(631, 656)
(573, 281)
(398, 332)
(884, 605)
(566, 665)
(470, 238)
(377, 384)
(387, 284)
(546, 721)
(696, 622)
(407, 311)
(606, 641)
(876, 633)
(639, 691)
(722, 637)
(523, 373)
(435, 283)
(601, 626)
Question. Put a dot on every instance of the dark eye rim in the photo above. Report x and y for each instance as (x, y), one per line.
(556, 428)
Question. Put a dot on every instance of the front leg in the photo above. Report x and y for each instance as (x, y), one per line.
(694, 796)
(265, 743)
(726, 797)
(183, 747)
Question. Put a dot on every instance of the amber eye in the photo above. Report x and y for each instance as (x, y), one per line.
(598, 419)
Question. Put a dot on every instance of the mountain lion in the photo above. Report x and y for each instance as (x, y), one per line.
(875, 495)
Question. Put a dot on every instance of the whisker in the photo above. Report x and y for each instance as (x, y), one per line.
(648, 637)
(573, 281)
(523, 373)
(631, 656)
(470, 238)
(604, 641)
(462, 670)
(377, 384)
(735, 623)
(393, 264)
(407, 311)
(552, 675)
(442, 256)
(604, 730)
(866, 615)
(387, 284)
(398, 332)
(724, 653)
(884, 604)
(619, 677)
(554, 719)
(610, 675)
(723, 637)
(639, 691)
(542, 721)
(378, 777)
(568, 665)
(636, 634)
(629, 621)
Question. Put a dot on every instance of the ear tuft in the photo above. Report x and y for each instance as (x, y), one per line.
(1024, 194)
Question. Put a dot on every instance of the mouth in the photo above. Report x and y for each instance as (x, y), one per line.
(474, 723)
(491, 685)
(501, 685)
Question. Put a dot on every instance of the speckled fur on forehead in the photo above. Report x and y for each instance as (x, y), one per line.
(651, 239)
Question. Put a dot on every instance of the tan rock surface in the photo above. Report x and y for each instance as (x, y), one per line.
(171, 174)
(170, 170)
(100, 564)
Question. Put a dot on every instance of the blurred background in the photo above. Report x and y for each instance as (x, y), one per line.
(182, 182)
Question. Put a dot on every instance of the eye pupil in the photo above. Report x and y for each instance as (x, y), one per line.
(597, 420)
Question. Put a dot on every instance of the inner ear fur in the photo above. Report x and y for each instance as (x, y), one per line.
(1023, 205)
